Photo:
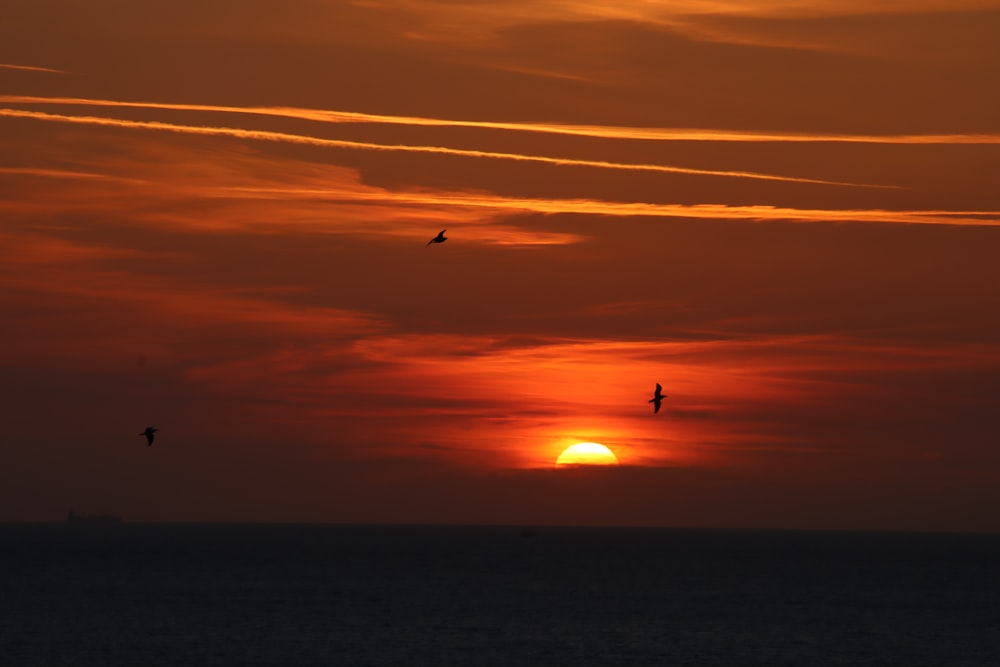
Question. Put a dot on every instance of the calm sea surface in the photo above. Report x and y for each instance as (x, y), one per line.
(365, 595)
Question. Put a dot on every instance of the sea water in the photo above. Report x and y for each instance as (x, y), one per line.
(134, 594)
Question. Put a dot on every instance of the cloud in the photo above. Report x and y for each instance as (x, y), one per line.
(603, 208)
(481, 25)
(141, 185)
(239, 189)
(262, 135)
(593, 131)
(29, 68)
(733, 402)
(487, 16)
(66, 174)
(115, 306)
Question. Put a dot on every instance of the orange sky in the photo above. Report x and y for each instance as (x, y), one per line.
(213, 219)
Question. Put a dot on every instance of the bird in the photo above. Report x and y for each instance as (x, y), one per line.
(658, 397)
(440, 238)
(149, 434)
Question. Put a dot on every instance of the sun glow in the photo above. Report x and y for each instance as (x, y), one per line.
(587, 453)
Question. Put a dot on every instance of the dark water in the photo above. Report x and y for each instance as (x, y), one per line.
(336, 595)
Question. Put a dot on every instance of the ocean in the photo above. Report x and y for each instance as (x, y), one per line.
(177, 594)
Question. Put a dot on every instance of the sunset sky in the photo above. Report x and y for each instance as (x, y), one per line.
(214, 218)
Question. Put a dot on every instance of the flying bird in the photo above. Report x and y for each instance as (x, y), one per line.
(149, 434)
(658, 397)
(440, 238)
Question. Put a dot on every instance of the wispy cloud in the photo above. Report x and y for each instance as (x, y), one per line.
(594, 131)
(283, 137)
(235, 191)
(334, 200)
(484, 15)
(64, 173)
(642, 209)
(729, 397)
(29, 68)
(474, 25)
(133, 308)
(437, 381)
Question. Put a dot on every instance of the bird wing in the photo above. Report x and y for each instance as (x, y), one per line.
(659, 389)
(656, 407)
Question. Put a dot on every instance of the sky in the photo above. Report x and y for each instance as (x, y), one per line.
(214, 220)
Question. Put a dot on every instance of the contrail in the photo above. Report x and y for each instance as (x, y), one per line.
(263, 135)
(29, 68)
(454, 199)
(594, 131)
(67, 174)
(630, 209)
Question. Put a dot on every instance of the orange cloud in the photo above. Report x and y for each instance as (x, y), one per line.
(486, 16)
(479, 24)
(262, 135)
(29, 68)
(595, 131)
(235, 190)
(116, 312)
(64, 173)
(493, 401)
(696, 211)
(241, 190)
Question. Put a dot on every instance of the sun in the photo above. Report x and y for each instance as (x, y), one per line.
(587, 453)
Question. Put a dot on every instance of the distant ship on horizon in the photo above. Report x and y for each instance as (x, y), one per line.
(75, 519)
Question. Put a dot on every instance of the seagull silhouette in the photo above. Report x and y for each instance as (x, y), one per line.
(440, 238)
(149, 434)
(658, 397)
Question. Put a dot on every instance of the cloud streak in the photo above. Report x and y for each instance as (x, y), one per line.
(592, 131)
(642, 209)
(147, 311)
(29, 68)
(340, 188)
(283, 137)
(65, 173)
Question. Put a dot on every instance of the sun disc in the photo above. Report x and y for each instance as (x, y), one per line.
(587, 453)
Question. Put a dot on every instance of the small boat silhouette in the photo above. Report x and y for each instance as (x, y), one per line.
(91, 520)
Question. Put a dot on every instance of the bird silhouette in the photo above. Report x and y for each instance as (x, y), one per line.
(149, 434)
(658, 397)
(440, 238)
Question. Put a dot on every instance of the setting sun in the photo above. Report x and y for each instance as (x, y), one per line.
(587, 453)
